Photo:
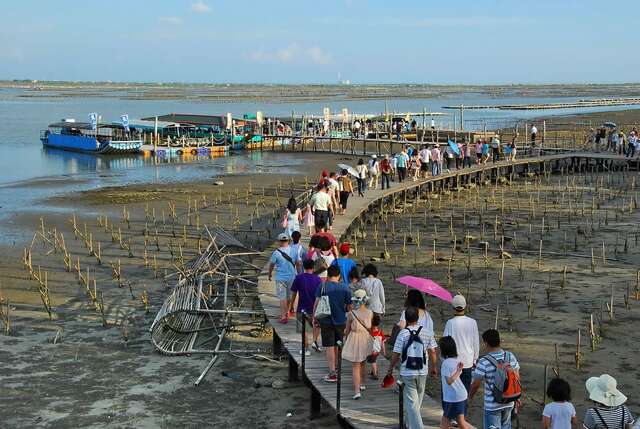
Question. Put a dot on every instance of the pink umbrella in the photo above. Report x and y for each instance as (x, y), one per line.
(427, 286)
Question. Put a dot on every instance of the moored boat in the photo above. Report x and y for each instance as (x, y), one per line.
(86, 137)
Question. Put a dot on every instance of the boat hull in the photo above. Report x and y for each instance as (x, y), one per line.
(90, 144)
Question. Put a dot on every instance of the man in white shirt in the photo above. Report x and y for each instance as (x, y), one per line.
(534, 134)
(464, 330)
(414, 380)
(321, 205)
(425, 157)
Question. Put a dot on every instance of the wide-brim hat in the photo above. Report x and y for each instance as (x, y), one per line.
(604, 390)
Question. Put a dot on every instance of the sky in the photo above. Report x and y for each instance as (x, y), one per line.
(316, 41)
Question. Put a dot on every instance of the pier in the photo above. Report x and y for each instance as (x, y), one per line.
(378, 407)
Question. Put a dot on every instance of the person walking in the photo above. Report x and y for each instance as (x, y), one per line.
(373, 172)
(608, 411)
(497, 415)
(454, 394)
(332, 326)
(321, 205)
(479, 152)
(534, 135)
(466, 161)
(361, 169)
(436, 160)
(305, 287)
(345, 263)
(292, 217)
(425, 161)
(495, 148)
(464, 331)
(286, 263)
(402, 160)
(346, 190)
(386, 170)
(374, 288)
(559, 414)
(359, 342)
(416, 299)
(410, 350)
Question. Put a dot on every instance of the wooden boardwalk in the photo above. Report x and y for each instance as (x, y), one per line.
(379, 408)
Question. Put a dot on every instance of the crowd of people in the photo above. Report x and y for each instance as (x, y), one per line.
(612, 139)
(322, 287)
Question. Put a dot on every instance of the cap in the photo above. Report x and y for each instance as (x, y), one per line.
(458, 302)
(374, 156)
(283, 237)
(344, 248)
(359, 295)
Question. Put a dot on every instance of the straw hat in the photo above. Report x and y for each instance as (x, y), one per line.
(604, 390)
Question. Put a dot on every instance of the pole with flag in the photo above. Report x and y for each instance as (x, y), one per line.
(93, 120)
(125, 122)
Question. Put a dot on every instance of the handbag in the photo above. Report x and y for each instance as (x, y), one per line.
(323, 309)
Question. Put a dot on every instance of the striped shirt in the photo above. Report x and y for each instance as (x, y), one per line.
(614, 417)
(486, 371)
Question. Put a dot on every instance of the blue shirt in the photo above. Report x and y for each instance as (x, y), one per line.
(402, 159)
(345, 265)
(285, 270)
(339, 298)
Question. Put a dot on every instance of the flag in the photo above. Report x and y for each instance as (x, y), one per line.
(93, 120)
(125, 122)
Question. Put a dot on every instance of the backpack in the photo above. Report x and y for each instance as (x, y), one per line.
(414, 355)
(506, 385)
(319, 266)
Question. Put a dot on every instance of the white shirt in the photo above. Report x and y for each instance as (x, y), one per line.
(373, 167)
(534, 130)
(454, 392)
(320, 201)
(429, 343)
(333, 185)
(425, 155)
(328, 258)
(362, 171)
(464, 331)
(560, 414)
(375, 292)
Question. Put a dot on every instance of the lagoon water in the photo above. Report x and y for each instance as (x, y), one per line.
(29, 172)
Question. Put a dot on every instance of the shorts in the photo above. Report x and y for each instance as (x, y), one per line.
(331, 334)
(424, 166)
(283, 289)
(452, 410)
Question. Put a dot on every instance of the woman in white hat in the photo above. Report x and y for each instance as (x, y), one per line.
(608, 411)
(359, 342)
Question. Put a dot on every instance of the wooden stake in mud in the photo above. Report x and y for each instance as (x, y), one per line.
(592, 333)
(578, 356)
(540, 256)
(593, 261)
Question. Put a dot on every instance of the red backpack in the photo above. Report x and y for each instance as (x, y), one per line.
(506, 386)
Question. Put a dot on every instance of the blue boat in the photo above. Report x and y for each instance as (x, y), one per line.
(83, 137)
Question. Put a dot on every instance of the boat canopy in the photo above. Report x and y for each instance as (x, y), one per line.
(189, 119)
(144, 125)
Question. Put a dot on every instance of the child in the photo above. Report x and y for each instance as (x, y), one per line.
(355, 282)
(454, 395)
(560, 413)
(309, 220)
(378, 346)
(298, 248)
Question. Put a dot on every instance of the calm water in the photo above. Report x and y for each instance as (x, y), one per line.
(28, 172)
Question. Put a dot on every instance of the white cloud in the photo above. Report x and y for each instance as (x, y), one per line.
(293, 53)
(200, 7)
(171, 20)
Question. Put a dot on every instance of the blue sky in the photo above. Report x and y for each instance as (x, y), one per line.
(305, 41)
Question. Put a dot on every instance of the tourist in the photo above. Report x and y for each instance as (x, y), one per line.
(305, 287)
(454, 394)
(512, 148)
(359, 341)
(479, 152)
(425, 160)
(374, 288)
(496, 415)
(346, 190)
(436, 160)
(292, 217)
(344, 263)
(466, 160)
(433, 124)
(464, 330)
(415, 299)
(286, 264)
(321, 205)
(356, 128)
(633, 141)
(459, 157)
(449, 155)
(333, 189)
(412, 341)
(373, 172)
(361, 169)
(332, 326)
(378, 346)
(485, 152)
(608, 411)
(416, 165)
(495, 148)
(322, 232)
(394, 166)
(559, 414)
(402, 159)
(322, 257)
(355, 282)
(298, 248)
(399, 131)
(534, 134)
(386, 170)
(309, 219)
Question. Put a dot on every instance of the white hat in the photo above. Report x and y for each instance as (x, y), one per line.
(283, 237)
(374, 156)
(458, 301)
(359, 295)
(604, 390)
